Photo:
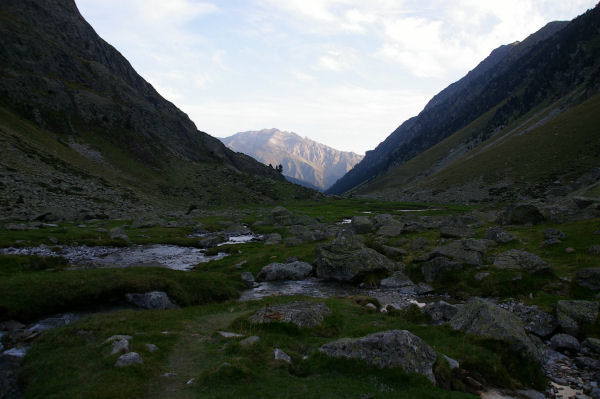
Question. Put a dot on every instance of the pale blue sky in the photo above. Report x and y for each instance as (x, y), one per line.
(342, 72)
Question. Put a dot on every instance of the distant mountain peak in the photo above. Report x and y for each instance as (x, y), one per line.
(303, 159)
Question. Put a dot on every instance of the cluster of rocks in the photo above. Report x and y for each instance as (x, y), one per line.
(120, 345)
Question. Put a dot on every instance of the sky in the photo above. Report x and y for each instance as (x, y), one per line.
(345, 73)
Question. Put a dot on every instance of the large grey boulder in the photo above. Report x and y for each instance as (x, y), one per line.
(570, 315)
(348, 259)
(432, 269)
(535, 321)
(565, 342)
(515, 259)
(387, 349)
(397, 280)
(281, 216)
(470, 251)
(362, 224)
(155, 300)
(483, 318)
(521, 214)
(248, 279)
(588, 278)
(301, 313)
(499, 235)
(285, 271)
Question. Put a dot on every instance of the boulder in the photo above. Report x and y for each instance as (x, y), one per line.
(391, 251)
(565, 342)
(155, 300)
(535, 321)
(248, 279)
(285, 271)
(129, 359)
(392, 228)
(247, 342)
(440, 312)
(273, 239)
(515, 259)
(387, 349)
(278, 354)
(120, 346)
(281, 216)
(396, 280)
(521, 214)
(469, 251)
(210, 241)
(418, 243)
(592, 345)
(433, 268)
(499, 235)
(118, 233)
(348, 259)
(554, 234)
(588, 278)
(151, 347)
(571, 314)
(483, 318)
(301, 313)
(456, 232)
(362, 224)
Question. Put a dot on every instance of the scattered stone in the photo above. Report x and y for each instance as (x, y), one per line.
(418, 243)
(571, 314)
(151, 347)
(285, 271)
(226, 334)
(481, 275)
(594, 249)
(248, 279)
(485, 319)
(565, 341)
(515, 259)
(154, 300)
(273, 239)
(118, 233)
(521, 214)
(499, 235)
(348, 259)
(456, 232)
(281, 355)
(433, 268)
(552, 233)
(440, 312)
(362, 224)
(249, 341)
(301, 313)
(396, 280)
(120, 346)
(118, 338)
(588, 278)
(129, 359)
(394, 348)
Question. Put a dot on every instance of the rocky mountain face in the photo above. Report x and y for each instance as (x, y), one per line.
(304, 161)
(552, 71)
(80, 126)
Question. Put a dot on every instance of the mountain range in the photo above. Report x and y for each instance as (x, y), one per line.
(82, 132)
(523, 123)
(304, 161)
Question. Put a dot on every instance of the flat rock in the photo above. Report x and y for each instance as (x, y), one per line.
(301, 313)
(433, 268)
(227, 334)
(588, 278)
(485, 319)
(348, 259)
(154, 300)
(456, 232)
(570, 314)
(285, 271)
(499, 235)
(129, 359)
(515, 259)
(387, 349)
